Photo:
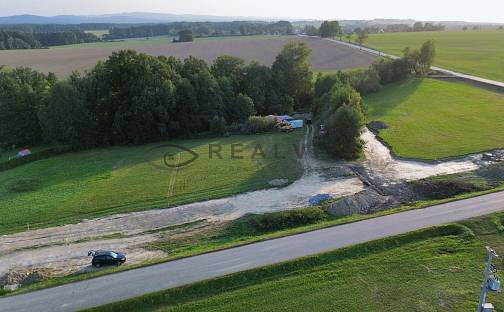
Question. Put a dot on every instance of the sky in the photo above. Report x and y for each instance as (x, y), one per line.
(433, 10)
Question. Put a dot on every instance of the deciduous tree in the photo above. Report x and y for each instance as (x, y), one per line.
(65, 119)
(344, 129)
(330, 29)
(292, 73)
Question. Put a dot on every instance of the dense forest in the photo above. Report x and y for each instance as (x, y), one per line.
(25, 40)
(17, 40)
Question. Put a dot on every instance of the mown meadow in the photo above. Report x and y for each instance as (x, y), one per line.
(75, 186)
(433, 119)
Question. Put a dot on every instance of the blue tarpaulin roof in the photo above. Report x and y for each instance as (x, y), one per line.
(296, 124)
(317, 199)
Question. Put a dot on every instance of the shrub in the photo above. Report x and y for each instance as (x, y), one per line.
(390, 71)
(257, 124)
(286, 219)
(235, 128)
(365, 81)
(218, 126)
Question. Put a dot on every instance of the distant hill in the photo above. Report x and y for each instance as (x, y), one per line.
(152, 18)
(124, 18)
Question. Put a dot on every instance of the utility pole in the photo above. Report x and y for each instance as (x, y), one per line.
(487, 282)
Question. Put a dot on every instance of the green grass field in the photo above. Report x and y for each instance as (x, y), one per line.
(71, 187)
(438, 269)
(431, 119)
(475, 52)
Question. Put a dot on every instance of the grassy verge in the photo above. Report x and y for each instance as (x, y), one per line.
(432, 119)
(429, 270)
(477, 53)
(100, 182)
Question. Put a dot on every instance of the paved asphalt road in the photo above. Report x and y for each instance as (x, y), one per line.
(442, 70)
(137, 282)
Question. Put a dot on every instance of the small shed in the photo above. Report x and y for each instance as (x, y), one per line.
(297, 124)
(284, 118)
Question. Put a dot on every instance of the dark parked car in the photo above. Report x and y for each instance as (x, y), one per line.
(104, 258)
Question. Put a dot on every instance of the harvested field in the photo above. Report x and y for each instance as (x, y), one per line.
(327, 56)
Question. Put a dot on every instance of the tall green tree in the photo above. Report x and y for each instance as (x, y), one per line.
(22, 94)
(420, 61)
(241, 110)
(257, 83)
(427, 55)
(206, 89)
(344, 129)
(342, 93)
(132, 97)
(311, 30)
(362, 36)
(330, 29)
(292, 74)
(230, 67)
(65, 119)
(185, 35)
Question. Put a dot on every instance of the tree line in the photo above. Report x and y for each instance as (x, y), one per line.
(134, 98)
(201, 29)
(49, 28)
(25, 40)
(328, 29)
(331, 29)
